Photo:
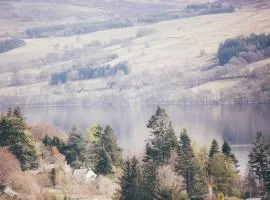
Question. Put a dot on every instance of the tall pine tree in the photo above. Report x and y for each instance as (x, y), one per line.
(214, 149)
(108, 140)
(259, 163)
(163, 136)
(184, 164)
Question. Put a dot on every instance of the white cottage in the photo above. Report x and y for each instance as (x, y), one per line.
(84, 175)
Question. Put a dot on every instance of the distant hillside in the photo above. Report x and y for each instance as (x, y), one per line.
(174, 59)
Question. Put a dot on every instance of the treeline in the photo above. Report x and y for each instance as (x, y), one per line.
(193, 171)
(75, 29)
(10, 44)
(172, 168)
(90, 73)
(233, 47)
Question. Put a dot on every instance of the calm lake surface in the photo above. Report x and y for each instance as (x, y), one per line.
(236, 123)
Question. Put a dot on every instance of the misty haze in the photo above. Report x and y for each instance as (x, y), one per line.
(135, 99)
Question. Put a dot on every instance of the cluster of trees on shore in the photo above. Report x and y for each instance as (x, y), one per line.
(172, 167)
(17, 138)
(198, 170)
(96, 148)
(201, 172)
(233, 47)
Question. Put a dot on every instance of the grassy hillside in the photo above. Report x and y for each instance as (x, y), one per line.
(170, 61)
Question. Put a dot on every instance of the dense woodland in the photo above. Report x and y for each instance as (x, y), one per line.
(172, 167)
(234, 47)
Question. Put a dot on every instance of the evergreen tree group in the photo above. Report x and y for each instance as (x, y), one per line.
(97, 148)
(15, 135)
(163, 140)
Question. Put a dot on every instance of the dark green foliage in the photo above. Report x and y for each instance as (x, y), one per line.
(185, 154)
(226, 150)
(259, 163)
(98, 150)
(150, 182)
(104, 164)
(130, 182)
(74, 150)
(214, 149)
(47, 140)
(15, 136)
(108, 140)
(10, 44)
(26, 153)
(150, 153)
(55, 142)
(233, 47)
(171, 138)
(163, 139)
(190, 169)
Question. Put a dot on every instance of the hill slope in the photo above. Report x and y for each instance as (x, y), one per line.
(170, 61)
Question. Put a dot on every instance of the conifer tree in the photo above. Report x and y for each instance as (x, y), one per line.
(150, 182)
(214, 149)
(163, 136)
(226, 150)
(185, 153)
(17, 138)
(198, 187)
(47, 140)
(171, 138)
(184, 164)
(75, 148)
(259, 163)
(130, 181)
(108, 140)
(104, 164)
